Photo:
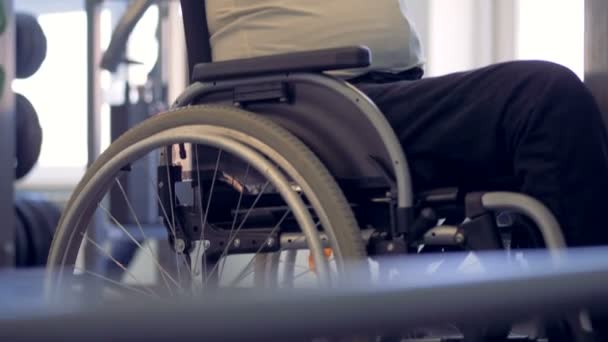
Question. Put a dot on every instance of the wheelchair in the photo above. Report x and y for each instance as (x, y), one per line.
(272, 154)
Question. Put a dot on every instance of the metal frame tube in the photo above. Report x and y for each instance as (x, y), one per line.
(542, 217)
(7, 138)
(93, 13)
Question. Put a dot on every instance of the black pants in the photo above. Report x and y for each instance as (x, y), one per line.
(532, 124)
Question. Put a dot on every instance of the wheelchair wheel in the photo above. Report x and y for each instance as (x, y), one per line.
(226, 177)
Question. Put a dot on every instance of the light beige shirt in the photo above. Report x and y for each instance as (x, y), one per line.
(251, 28)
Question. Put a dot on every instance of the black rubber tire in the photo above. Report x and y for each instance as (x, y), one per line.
(346, 231)
(28, 136)
(22, 243)
(36, 218)
(30, 45)
(34, 223)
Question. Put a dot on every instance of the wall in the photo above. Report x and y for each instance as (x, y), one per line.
(464, 34)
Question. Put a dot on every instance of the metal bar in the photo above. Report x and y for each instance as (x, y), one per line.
(442, 236)
(7, 138)
(295, 241)
(93, 12)
(115, 52)
(596, 51)
(532, 208)
(504, 292)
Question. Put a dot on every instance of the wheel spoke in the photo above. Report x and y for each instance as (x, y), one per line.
(247, 270)
(136, 218)
(301, 274)
(292, 263)
(231, 240)
(170, 185)
(206, 214)
(234, 219)
(172, 228)
(114, 282)
(171, 204)
(118, 263)
(274, 229)
(287, 167)
(158, 265)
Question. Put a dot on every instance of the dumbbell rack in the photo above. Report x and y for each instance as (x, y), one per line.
(7, 144)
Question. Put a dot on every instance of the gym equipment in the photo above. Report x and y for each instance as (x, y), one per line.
(35, 226)
(7, 128)
(150, 98)
(30, 44)
(270, 154)
(115, 53)
(30, 47)
(28, 136)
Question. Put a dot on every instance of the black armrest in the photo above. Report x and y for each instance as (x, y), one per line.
(308, 61)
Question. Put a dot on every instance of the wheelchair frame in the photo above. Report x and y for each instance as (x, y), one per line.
(408, 220)
(272, 94)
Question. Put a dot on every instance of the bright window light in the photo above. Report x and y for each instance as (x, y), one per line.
(552, 30)
(58, 90)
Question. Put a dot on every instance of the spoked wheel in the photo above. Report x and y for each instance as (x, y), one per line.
(233, 190)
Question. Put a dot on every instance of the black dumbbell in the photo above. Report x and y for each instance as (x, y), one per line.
(30, 45)
(28, 136)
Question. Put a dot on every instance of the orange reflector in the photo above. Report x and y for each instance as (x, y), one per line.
(327, 252)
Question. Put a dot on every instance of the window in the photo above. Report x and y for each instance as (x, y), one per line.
(552, 30)
(58, 90)
(465, 34)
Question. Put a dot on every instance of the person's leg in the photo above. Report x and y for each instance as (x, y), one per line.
(533, 121)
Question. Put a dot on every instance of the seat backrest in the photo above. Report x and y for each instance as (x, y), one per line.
(197, 33)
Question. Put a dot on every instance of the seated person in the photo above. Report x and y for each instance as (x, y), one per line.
(531, 121)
